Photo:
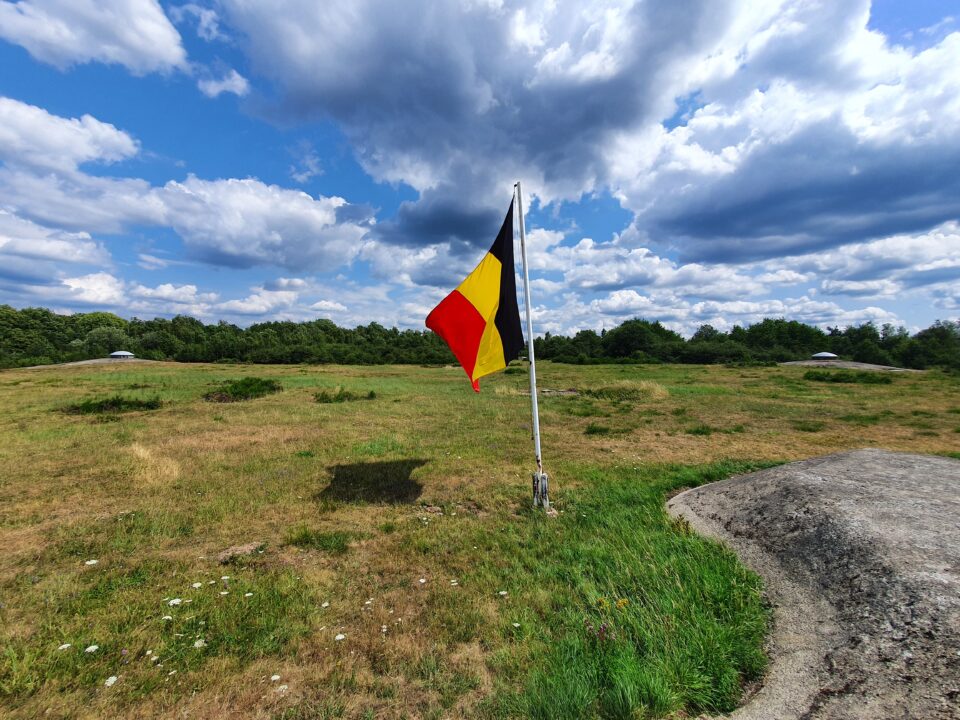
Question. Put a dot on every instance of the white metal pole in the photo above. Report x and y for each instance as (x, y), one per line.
(539, 497)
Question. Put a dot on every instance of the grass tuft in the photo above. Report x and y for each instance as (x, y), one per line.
(701, 429)
(860, 419)
(342, 395)
(335, 543)
(246, 389)
(810, 426)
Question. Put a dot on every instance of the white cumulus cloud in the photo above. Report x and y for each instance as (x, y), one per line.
(132, 33)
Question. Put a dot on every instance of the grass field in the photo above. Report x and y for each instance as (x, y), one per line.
(397, 569)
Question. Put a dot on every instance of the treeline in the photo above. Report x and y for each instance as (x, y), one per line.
(36, 336)
(767, 341)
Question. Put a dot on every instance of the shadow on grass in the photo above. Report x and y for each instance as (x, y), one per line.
(388, 481)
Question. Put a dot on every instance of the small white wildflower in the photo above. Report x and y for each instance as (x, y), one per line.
(326, 604)
(274, 678)
(224, 577)
(148, 653)
(502, 593)
(200, 643)
(339, 637)
(110, 681)
(174, 602)
(64, 646)
(91, 562)
(155, 658)
(368, 602)
(282, 689)
(248, 594)
(167, 617)
(516, 625)
(383, 628)
(422, 580)
(197, 586)
(172, 672)
(92, 649)
(211, 582)
(224, 592)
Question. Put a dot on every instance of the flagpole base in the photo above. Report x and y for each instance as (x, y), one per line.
(541, 490)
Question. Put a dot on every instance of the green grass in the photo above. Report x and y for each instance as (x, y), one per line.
(701, 429)
(247, 388)
(114, 404)
(680, 631)
(848, 376)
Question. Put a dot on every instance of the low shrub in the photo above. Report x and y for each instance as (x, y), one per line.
(115, 404)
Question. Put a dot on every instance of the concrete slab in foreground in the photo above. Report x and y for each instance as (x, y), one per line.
(860, 553)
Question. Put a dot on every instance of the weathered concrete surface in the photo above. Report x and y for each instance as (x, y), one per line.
(848, 365)
(860, 553)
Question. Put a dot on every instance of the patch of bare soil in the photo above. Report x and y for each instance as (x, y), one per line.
(860, 553)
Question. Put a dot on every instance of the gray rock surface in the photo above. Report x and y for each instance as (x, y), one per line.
(860, 554)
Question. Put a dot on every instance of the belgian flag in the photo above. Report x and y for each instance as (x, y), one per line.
(480, 320)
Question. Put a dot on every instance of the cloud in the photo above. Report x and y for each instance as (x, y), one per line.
(132, 33)
(328, 306)
(30, 136)
(242, 223)
(849, 140)
(238, 223)
(307, 166)
(24, 239)
(463, 98)
(182, 294)
(232, 82)
(96, 289)
(208, 22)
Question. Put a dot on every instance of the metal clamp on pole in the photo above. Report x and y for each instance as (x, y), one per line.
(541, 490)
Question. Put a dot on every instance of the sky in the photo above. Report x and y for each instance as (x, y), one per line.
(693, 162)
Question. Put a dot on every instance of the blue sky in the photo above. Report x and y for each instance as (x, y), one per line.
(703, 161)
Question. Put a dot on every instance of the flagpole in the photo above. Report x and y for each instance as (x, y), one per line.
(540, 493)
